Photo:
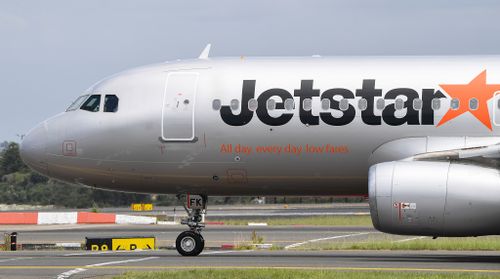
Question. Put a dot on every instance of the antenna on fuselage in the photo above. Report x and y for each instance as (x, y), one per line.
(205, 52)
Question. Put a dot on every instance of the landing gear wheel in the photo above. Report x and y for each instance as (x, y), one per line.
(189, 243)
(202, 243)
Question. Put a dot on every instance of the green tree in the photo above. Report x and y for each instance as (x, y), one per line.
(10, 160)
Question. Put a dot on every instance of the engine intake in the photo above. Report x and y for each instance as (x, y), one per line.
(434, 198)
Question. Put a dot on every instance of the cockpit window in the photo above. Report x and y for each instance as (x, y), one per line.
(76, 104)
(92, 104)
(111, 103)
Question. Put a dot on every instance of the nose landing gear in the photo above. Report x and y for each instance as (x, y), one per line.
(191, 243)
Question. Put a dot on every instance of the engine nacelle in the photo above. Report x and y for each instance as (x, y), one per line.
(434, 198)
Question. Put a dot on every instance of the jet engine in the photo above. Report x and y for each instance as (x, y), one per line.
(434, 198)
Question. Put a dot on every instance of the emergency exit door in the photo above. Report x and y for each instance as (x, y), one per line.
(178, 106)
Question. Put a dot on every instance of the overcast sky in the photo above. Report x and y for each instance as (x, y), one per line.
(51, 51)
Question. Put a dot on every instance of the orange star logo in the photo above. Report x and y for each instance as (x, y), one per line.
(476, 89)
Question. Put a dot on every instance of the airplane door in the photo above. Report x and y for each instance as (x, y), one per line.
(178, 106)
(496, 108)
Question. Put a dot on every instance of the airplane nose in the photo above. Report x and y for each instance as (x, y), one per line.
(33, 148)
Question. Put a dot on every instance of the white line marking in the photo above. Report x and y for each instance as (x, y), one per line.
(15, 259)
(87, 253)
(408, 239)
(226, 252)
(121, 262)
(321, 239)
(106, 252)
(69, 273)
(72, 272)
(363, 213)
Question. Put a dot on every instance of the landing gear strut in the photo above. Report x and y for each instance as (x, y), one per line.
(191, 243)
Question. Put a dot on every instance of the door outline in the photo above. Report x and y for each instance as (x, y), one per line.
(165, 137)
(496, 109)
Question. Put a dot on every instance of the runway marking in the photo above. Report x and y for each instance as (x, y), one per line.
(15, 259)
(321, 239)
(106, 252)
(408, 239)
(109, 266)
(77, 270)
(226, 252)
(293, 214)
(87, 253)
(225, 241)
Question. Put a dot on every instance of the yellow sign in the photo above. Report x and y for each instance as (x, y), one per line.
(125, 243)
(142, 206)
(143, 243)
(102, 247)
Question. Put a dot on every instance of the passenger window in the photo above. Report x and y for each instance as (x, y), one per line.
(253, 104)
(362, 104)
(436, 104)
(92, 104)
(307, 104)
(380, 103)
(216, 104)
(398, 104)
(271, 104)
(235, 104)
(344, 104)
(417, 104)
(454, 104)
(110, 103)
(289, 104)
(76, 104)
(473, 103)
(325, 104)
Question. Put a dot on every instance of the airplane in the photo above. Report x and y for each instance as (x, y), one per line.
(418, 135)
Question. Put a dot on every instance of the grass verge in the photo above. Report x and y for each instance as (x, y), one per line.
(357, 220)
(485, 243)
(292, 274)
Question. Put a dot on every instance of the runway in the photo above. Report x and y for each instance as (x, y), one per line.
(215, 236)
(84, 264)
(62, 264)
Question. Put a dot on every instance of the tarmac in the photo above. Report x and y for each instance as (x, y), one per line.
(86, 264)
(95, 264)
(215, 236)
(65, 263)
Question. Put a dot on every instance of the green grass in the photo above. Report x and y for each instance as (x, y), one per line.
(292, 274)
(485, 243)
(357, 220)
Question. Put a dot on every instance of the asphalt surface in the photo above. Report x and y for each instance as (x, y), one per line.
(215, 236)
(87, 264)
(62, 264)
